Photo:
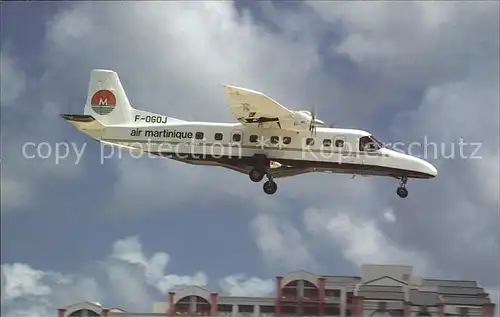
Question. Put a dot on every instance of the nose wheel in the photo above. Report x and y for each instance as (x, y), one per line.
(402, 191)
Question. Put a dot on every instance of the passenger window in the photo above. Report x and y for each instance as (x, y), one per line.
(236, 137)
(253, 138)
(310, 141)
(218, 136)
(339, 143)
(199, 135)
(274, 139)
(367, 144)
(287, 140)
(327, 142)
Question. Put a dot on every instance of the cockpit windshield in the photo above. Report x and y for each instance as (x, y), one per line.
(369, 144)
(380, 144)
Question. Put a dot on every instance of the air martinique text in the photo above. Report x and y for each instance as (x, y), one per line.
(165, 133)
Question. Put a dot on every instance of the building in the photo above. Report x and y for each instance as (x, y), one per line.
(381, 290)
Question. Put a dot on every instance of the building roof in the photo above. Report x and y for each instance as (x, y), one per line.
(382, 285)
(451, 283)
(465, 300)
(419, 298)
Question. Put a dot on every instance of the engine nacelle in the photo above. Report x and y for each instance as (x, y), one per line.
(304, 118)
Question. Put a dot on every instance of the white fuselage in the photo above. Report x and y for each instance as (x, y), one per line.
(269, 139)
(335, 150)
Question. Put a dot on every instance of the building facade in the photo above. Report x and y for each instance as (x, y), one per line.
(380, 290)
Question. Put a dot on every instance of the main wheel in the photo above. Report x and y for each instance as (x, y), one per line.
(402, 192)
(256, 175)
(270, 187)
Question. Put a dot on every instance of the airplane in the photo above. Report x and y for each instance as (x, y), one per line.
(268, 139)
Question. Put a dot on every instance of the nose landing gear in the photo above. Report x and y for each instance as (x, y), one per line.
(402, 191)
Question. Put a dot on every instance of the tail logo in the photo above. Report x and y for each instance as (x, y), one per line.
(103, 102)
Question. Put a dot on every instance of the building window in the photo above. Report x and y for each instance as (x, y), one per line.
(310, 311)
(218, 136)
(382, 306)
(327, 142)
(253, 138)
(332, 310)
(310, 141)
(267, 309)
(275, 139)
(77, 313)
(311, 292)
(339, 143)
(332, 293)
(289, 310)
(199, 135)
(224, 308)
(424, 312)
(236, 137)
(287, 140)
(245, 308)
(349, 296)
(464, 311)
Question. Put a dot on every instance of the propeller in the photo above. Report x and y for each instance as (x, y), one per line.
(312, 127)
(314, 122)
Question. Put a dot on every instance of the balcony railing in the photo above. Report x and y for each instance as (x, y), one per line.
(298, 298)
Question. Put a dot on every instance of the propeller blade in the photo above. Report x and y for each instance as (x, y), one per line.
(313, 120)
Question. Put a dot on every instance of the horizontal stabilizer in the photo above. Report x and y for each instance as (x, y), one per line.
(83, 121)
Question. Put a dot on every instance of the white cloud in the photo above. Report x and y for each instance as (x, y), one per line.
(240, 285)
(361, 241)
(12, 77)
(280, 243)
(130, 250)
(220, 46)
(389, 215)
(182, 52)
(21, 280)
(127, 278)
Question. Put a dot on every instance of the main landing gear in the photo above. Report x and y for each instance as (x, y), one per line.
(260, 170)
(269, 187)
(402, 191)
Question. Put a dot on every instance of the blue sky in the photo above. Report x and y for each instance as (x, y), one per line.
(406, 72)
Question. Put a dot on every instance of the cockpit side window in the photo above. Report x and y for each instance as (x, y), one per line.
(369, 144)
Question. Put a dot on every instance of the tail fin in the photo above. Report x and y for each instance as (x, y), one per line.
(106, 100)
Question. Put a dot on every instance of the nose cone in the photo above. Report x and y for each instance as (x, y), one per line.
(428, 169)
(318, 122)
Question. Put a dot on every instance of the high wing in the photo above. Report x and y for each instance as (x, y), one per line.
(256, 109)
